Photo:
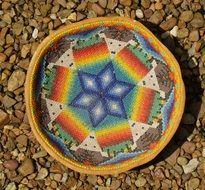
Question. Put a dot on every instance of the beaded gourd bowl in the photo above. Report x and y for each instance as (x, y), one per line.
(104, 95)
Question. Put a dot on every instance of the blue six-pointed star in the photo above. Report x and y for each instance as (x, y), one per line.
(102, 94)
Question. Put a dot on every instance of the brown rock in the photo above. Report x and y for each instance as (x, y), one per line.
(62, 2)
(25, 50)
(2, 57)
(4, 117)
(92, 179)
(172, 159)
(177, 2)
(198, 20)
(71, 182)
(11, 164)
(182, 161)
(56, 168)
(189, 147)
(159, 174)
(16, 80)
(98, 9)
(168, 24)
(80, 16)
(186, 16)
(140, 182)
(22, 139)
(39, 154)
(115, 184)
(194, 36)
(156, 18)
(182, 33)
(103, 3)
(45, 8)
(193, 183)
(42, 174)
(17, 28)
(57, 177)
(9, 39)
(72, 17)
(6, 5)
(8, 101)
(201, 169)
(148, 13)
(103, 188)
(26, 168)
(2, 36)
(112, 4)
(126, 2)
(158, 5)
(82, 6)
(7, 18)
(145, 3)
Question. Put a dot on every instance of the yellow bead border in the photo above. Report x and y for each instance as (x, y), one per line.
(138, 160)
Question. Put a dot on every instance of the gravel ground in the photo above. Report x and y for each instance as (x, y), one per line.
(179, 24)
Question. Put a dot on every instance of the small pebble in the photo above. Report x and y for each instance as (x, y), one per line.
(43, 172)
(191, 166)
(11, 164)
(26, 168)
(140, 182)
(139, 13)
(35, 33)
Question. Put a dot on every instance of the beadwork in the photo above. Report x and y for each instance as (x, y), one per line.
(102, 97)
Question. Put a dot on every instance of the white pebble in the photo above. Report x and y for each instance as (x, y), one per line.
(53, 16)
(35, 33)
(64, 178)
(139, 13)
(174, 30)
(191, 166)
